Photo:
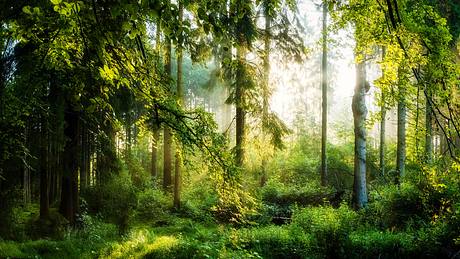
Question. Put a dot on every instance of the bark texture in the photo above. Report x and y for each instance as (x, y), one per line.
(359, 118)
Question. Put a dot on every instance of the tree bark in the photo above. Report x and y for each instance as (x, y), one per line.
(359, 118)
(428, 131)
(401, 132)
(69, 192)
(44, 188)
(382, 138)
(155, 140)
(180, 99)
(240, 109)
(324, 80)
(383, 112)
(167, 157)
(177, 180)
(266, 88)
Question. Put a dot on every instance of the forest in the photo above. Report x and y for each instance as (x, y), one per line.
(229, 129)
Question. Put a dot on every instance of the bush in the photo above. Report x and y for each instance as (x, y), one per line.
(329, 226)
(382, 244)
(152, 204)
(392, 206)
(272, 242)
(115, 200)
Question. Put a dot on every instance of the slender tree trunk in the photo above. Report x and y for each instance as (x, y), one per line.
(383, 112)
(266, 88)
(156, 127)
(155, 140)
(177, 180)
(401, 142)
(359, 118)
(428, 131)
(324, 80)
(44, 189)
(240, 109)
(26, 172)
(167, 141)
(83, 151)
(382, 138)
(180, 98)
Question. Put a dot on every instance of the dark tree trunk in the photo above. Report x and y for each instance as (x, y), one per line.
(180, 98)
(383, 112)
(382, 139)
(44, 187)
(240, 109)
(167, 138)
(428, 131)
(83, 151)
(69, 191)
(154, 162)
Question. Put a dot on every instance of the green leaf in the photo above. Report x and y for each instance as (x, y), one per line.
(26, 9)
(56, 2)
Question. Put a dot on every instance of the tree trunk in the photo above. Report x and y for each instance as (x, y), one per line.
(167, 158)
(428, 131)
(324, 80)
(69, 192)
(359, 118)
(240, 109)
(83, 151)
(44, 189)
(266, 89)
(401, 132)
(26, 172)
(155, 140)
(383, 112)
(180, 98)
(177, 180)
(382, 138)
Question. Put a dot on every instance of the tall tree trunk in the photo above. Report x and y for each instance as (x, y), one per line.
(383, 112)
(382, 137)
(156, 126)
(266, 87)
(69, 192)
(324, 80)
(428, 131)
(180, 98)
(155, 140)
(359, 118)
(44, 189)
(240, 103)
(26, 172)
(401, 134)
(167, 141)
(83, 151)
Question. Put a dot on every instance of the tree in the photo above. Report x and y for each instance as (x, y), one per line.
(401, 142)
(180, 100)
(167, 137)
(324, 86)
(359, 118)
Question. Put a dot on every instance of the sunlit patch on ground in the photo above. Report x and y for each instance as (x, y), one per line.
(141, 243)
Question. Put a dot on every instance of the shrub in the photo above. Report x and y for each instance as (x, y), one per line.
(152, 204)
(272, 242)
(329, 226)
(382, 244)
(115, 200)
(393, 206)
